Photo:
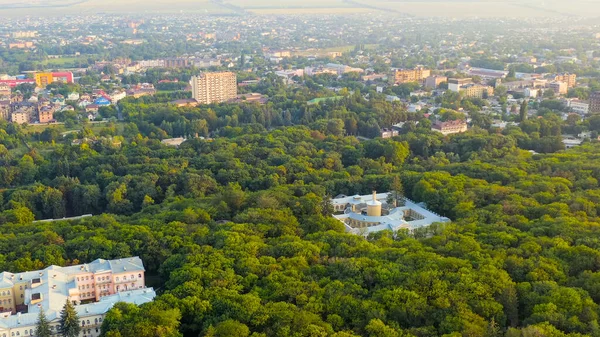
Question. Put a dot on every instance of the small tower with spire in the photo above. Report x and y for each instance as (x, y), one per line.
(374, 206)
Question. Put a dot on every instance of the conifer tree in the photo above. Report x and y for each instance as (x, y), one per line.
(396, 195)
(42, 328)
(523, 111)
(69, 321)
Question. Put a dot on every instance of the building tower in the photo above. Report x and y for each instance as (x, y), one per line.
(216, 87)
(374, 206)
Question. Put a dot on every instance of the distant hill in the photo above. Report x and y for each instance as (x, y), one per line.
(445, 8)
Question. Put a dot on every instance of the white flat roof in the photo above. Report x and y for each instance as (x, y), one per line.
(392, 221)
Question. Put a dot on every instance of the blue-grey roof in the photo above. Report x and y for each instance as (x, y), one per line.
(55, 285)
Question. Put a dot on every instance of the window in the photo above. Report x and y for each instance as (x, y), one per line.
(117, 279)
(8, 292)
(26, 332)
(88, 321)
(82, 323)
(78, 279)
(20, 287)
(100, 319)
(140, 275)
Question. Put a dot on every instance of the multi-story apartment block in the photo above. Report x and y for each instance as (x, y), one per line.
(177, 62)
(476, 91)
(531, 92)
(99, 285)
(152, 64)
(21, 45)
(24, 34)
(595, 102)
(580, 107)
(207, 63)
(214, 87)
(455, 84)
(279, 53)
(46, 114)
(341, 69)
(43, 79)
(22, 115)
(569, 79)
(5, 90)
(434, 81)
(411, 75)
(560, 88)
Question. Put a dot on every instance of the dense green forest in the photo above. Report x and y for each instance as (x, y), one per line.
(236, 234)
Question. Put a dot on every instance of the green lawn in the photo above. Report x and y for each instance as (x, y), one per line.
(66, 61)
(96, 127)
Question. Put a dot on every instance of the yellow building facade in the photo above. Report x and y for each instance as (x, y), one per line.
(43, 79)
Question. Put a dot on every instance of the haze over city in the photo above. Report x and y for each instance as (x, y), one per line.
(444, 8)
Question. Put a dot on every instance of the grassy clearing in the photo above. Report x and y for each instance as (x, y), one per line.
(95, 127)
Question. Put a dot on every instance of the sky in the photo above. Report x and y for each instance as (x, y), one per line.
(421, 8)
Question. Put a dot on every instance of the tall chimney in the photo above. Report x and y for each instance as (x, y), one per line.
(374, 195)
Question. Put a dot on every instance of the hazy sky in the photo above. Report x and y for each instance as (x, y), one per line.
(447, 8)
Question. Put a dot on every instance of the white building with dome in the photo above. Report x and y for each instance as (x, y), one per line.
(365, 214)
